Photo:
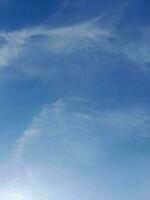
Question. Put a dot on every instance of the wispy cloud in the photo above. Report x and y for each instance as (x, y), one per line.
(34, 51)
(58, 40)
(138, 52)
(63, 127)
(82, 129)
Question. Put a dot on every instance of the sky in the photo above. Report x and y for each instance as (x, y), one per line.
(74, 99)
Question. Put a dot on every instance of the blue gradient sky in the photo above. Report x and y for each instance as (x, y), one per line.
(74, 99)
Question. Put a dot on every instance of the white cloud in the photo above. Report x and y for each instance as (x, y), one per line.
(60, 124)
(137, 49)
(26, 50)
(82, 130)
(138, 52)
(58, 40)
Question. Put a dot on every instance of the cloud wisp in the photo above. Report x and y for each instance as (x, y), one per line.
(75, 46)
(65, 39)
(61, 123)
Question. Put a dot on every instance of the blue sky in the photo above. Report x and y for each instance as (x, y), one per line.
(74, 99)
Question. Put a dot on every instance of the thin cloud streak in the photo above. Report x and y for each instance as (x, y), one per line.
(59, 120)
(64, 38)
